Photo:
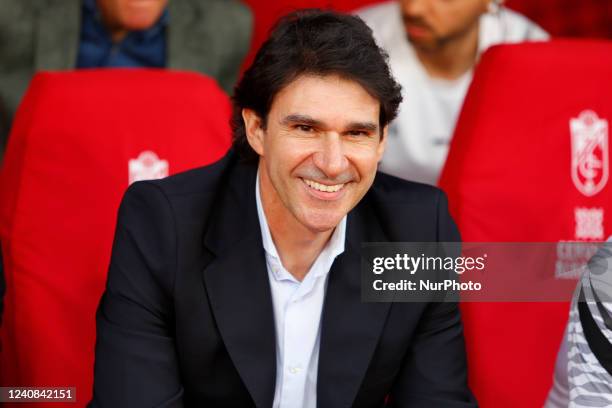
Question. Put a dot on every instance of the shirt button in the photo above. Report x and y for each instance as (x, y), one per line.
(294, 370)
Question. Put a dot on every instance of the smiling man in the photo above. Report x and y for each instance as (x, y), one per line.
(238, 284)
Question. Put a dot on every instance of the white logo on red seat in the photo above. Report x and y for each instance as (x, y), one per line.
(590, 164)
(589, 223)
(147, 167)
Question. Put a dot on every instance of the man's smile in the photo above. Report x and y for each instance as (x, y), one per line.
(324, 187)
(327, 192)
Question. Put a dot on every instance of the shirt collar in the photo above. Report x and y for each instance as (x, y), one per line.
(333, 248)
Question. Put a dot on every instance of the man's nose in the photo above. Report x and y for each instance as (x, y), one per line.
(330, 157)
(413, 8)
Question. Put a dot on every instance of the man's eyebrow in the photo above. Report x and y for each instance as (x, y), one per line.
(301, 119)
(310, 121)
(369, 126)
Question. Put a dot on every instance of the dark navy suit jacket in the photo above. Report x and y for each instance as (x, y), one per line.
(187, 318)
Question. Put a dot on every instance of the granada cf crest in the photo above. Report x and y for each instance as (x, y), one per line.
(147, 167)
(590, 163)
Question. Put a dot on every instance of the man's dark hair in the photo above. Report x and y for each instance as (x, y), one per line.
(315, 42)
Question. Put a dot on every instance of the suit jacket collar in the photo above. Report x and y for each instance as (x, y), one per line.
(237, 284)
(350, 329)
(239, 292)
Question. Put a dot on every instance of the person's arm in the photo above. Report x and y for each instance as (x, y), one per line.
(434, 371)
(135, 358)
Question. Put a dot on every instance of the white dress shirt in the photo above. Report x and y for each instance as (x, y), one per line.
(297, 316)
(420, 136)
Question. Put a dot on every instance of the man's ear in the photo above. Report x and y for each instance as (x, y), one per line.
(253, 126)
(382, 145)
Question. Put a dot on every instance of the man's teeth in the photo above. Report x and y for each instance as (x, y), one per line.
(323, 187)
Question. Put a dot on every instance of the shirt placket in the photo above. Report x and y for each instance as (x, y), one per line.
(299, 338)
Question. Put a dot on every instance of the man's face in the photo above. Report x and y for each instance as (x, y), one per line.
(132, 15)
(319, 150)
(430, 24)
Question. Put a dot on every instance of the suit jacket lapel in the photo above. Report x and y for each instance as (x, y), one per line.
(238, 287)
(57, 37)
(350, 329)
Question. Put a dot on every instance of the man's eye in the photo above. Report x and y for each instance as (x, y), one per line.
(357, 133)
(305, 128)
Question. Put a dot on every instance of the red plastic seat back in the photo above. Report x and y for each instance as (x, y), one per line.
(79, 138)
(514, 174)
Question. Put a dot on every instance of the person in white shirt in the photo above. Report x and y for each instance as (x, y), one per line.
(433, 46)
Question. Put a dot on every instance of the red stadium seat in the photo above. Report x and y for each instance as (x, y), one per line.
(79, 138)
(529, 162)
